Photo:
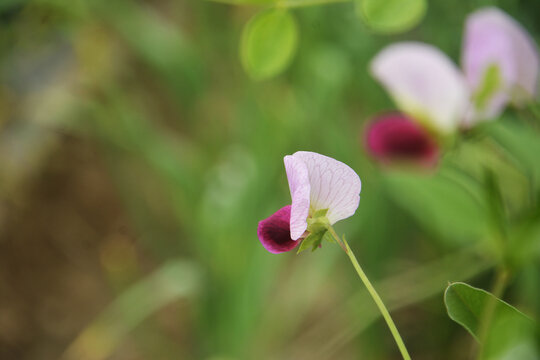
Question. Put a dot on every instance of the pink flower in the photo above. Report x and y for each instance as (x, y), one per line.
(317, 183)
(424, 83)
(500, 62)
(395, 138)
(500, 66)
(274, 232)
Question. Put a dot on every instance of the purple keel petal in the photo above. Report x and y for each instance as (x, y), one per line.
(297, 175)
(274, 232)
(333, 185)
(494, 38)
(424, 83)
(395, 138)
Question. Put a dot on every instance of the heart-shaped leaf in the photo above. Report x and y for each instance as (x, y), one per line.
(466, 304)
(505, 333)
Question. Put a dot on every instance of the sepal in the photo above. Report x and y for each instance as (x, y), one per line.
(313, 240)
(320, 213)
(317, 228)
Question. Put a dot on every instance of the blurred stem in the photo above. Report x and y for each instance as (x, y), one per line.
(501, 281)
(374, 295)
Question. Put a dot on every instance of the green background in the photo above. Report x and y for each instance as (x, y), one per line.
(137, 157)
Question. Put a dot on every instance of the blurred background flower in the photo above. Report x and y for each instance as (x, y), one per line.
(394, 138)
(500, 61)
(424, 83)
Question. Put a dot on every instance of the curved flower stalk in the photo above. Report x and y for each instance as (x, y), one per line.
(323, 191)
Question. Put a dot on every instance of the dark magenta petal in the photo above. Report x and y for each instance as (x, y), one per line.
(396, 138)
(274, 232)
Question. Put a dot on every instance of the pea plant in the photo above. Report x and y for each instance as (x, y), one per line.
(452, 154)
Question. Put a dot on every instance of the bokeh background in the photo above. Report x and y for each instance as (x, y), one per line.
(137, 157)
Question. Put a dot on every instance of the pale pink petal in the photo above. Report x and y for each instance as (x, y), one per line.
(494, 38)
(297, 175)
(424, 83)
(334, 185)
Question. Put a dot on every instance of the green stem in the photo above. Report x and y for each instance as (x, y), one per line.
(376, 298)
(337, 238)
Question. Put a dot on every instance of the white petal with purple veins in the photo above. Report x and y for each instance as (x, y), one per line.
(297, 175)
(330, 184)
(424, 83)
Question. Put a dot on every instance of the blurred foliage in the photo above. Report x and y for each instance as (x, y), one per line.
(391, 16)
(131, 139)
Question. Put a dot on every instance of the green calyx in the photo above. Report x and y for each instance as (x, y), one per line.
(318, 231)
(491, 83)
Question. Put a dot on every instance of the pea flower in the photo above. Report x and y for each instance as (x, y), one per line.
(500, 66)
(323, 191)
(500, 62)
(424, 83)
(395, 138)
(431, 93)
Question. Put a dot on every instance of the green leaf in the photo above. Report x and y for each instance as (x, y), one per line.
(445, 205)
(269, 41)
(391, 16)
(466, 304)
(511, 334)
